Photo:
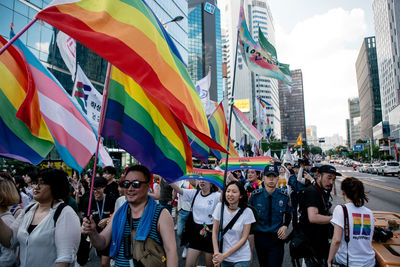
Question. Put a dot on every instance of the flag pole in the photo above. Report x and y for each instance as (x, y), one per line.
(9, 43)
(103, 108)
(227, 148)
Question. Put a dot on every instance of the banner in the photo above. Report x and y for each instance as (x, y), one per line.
(248, 163)
(87, 98)
(212, 176)
(203, 87)
(67, 47)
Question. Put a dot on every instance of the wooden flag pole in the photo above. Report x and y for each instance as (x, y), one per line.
(9, 43)
(103, 108)
(221, 243)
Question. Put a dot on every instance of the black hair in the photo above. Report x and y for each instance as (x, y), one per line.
(354, 190)
(110, 170)
(58, 182)
(32, 172)
(243, 194)
(258, 173)
(213, 188)
(139, 168)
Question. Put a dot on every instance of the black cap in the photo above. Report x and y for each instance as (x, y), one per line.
(100, 182)
(296, 165)
(271, 169)
(329, 169)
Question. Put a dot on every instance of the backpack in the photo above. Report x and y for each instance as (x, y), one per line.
(56, 213)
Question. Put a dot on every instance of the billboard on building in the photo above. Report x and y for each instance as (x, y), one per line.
(243, 104)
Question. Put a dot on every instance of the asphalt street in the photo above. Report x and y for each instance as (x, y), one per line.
(383, 193)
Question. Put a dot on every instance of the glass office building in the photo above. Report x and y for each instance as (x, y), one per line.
(205, 45)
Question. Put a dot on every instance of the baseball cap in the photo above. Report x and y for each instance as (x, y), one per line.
(329, 169)
(271, 169)
(100, 182)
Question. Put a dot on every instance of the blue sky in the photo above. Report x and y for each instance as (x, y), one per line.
(323, 38)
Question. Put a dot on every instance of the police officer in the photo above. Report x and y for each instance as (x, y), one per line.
(274, 212)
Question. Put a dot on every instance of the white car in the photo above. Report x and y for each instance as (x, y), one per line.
(389, 167)
(374, 168)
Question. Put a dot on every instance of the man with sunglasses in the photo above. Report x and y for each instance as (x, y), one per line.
(139, 213)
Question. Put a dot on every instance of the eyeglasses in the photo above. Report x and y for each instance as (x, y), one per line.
(38, 183)
(135, 184)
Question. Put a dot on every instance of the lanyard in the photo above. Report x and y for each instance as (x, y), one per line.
(102, 207)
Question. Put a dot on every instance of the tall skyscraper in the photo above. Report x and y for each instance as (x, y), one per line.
(355, 120)
(292, 109)
(348, 139)
(387, 28)
(205, 44)
(368, 87)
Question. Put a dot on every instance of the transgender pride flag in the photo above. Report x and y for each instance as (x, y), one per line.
(246, 124)
(74, 138)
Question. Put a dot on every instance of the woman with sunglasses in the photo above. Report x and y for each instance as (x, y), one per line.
(42, 240)
(203, 205)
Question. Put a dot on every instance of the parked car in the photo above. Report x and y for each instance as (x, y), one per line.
(389, 167)
(374, 168)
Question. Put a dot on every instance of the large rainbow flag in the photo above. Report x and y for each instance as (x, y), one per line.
(249, 163)
(17, 140)
(129, 36)
(73, 136)
(219, 132)
(146, 128)
(212, 176)
(246, 124)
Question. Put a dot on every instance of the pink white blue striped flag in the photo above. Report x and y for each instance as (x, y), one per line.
(246, 124)
(74, 138)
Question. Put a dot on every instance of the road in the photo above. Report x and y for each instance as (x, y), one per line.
(383, 193)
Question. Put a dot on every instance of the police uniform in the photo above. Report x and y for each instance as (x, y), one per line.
(273, 212)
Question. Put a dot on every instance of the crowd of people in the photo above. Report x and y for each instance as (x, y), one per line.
(132, 218)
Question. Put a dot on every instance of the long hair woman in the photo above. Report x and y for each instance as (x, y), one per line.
(236, 247)
(43, 240)
(358, 251)
(204, 202)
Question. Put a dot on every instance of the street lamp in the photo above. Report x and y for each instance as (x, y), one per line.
(176, 19)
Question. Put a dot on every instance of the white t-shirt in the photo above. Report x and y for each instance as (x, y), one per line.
(361, 226)
(185, 205)
(233, 235)
(203, 206)
(119, 202)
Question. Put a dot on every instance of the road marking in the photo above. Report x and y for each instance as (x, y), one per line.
(375, 185)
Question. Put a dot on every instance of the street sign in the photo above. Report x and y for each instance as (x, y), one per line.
(358, 147)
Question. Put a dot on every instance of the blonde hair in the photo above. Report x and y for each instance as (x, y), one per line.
(8, 194)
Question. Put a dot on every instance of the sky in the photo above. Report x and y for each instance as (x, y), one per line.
(323, 39)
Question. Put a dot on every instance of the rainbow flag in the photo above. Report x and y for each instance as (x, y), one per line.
(199, 150)
(16, 138)
(146, 128)
(212, 176)
(246, 124)
(263, 102)
(249, 163)
(129, 36)
(74, 138)
(219, 132)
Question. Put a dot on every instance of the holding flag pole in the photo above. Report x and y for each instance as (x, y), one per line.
(103, 109)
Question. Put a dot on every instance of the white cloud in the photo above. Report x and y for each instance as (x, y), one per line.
(325, 47)
(42, 46)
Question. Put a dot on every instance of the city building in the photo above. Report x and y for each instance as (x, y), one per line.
(205, 45)
(292, 113)
(248, 86)
(387, 28)
(312, 137)
(348, 139)
(355, 120)
(332, 142)
(40, 39)
(368, 87)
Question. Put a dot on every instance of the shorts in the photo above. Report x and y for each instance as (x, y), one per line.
(199, 242)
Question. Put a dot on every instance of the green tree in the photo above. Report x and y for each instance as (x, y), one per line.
(316, 150)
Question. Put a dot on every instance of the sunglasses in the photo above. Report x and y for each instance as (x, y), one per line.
(135, 184)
